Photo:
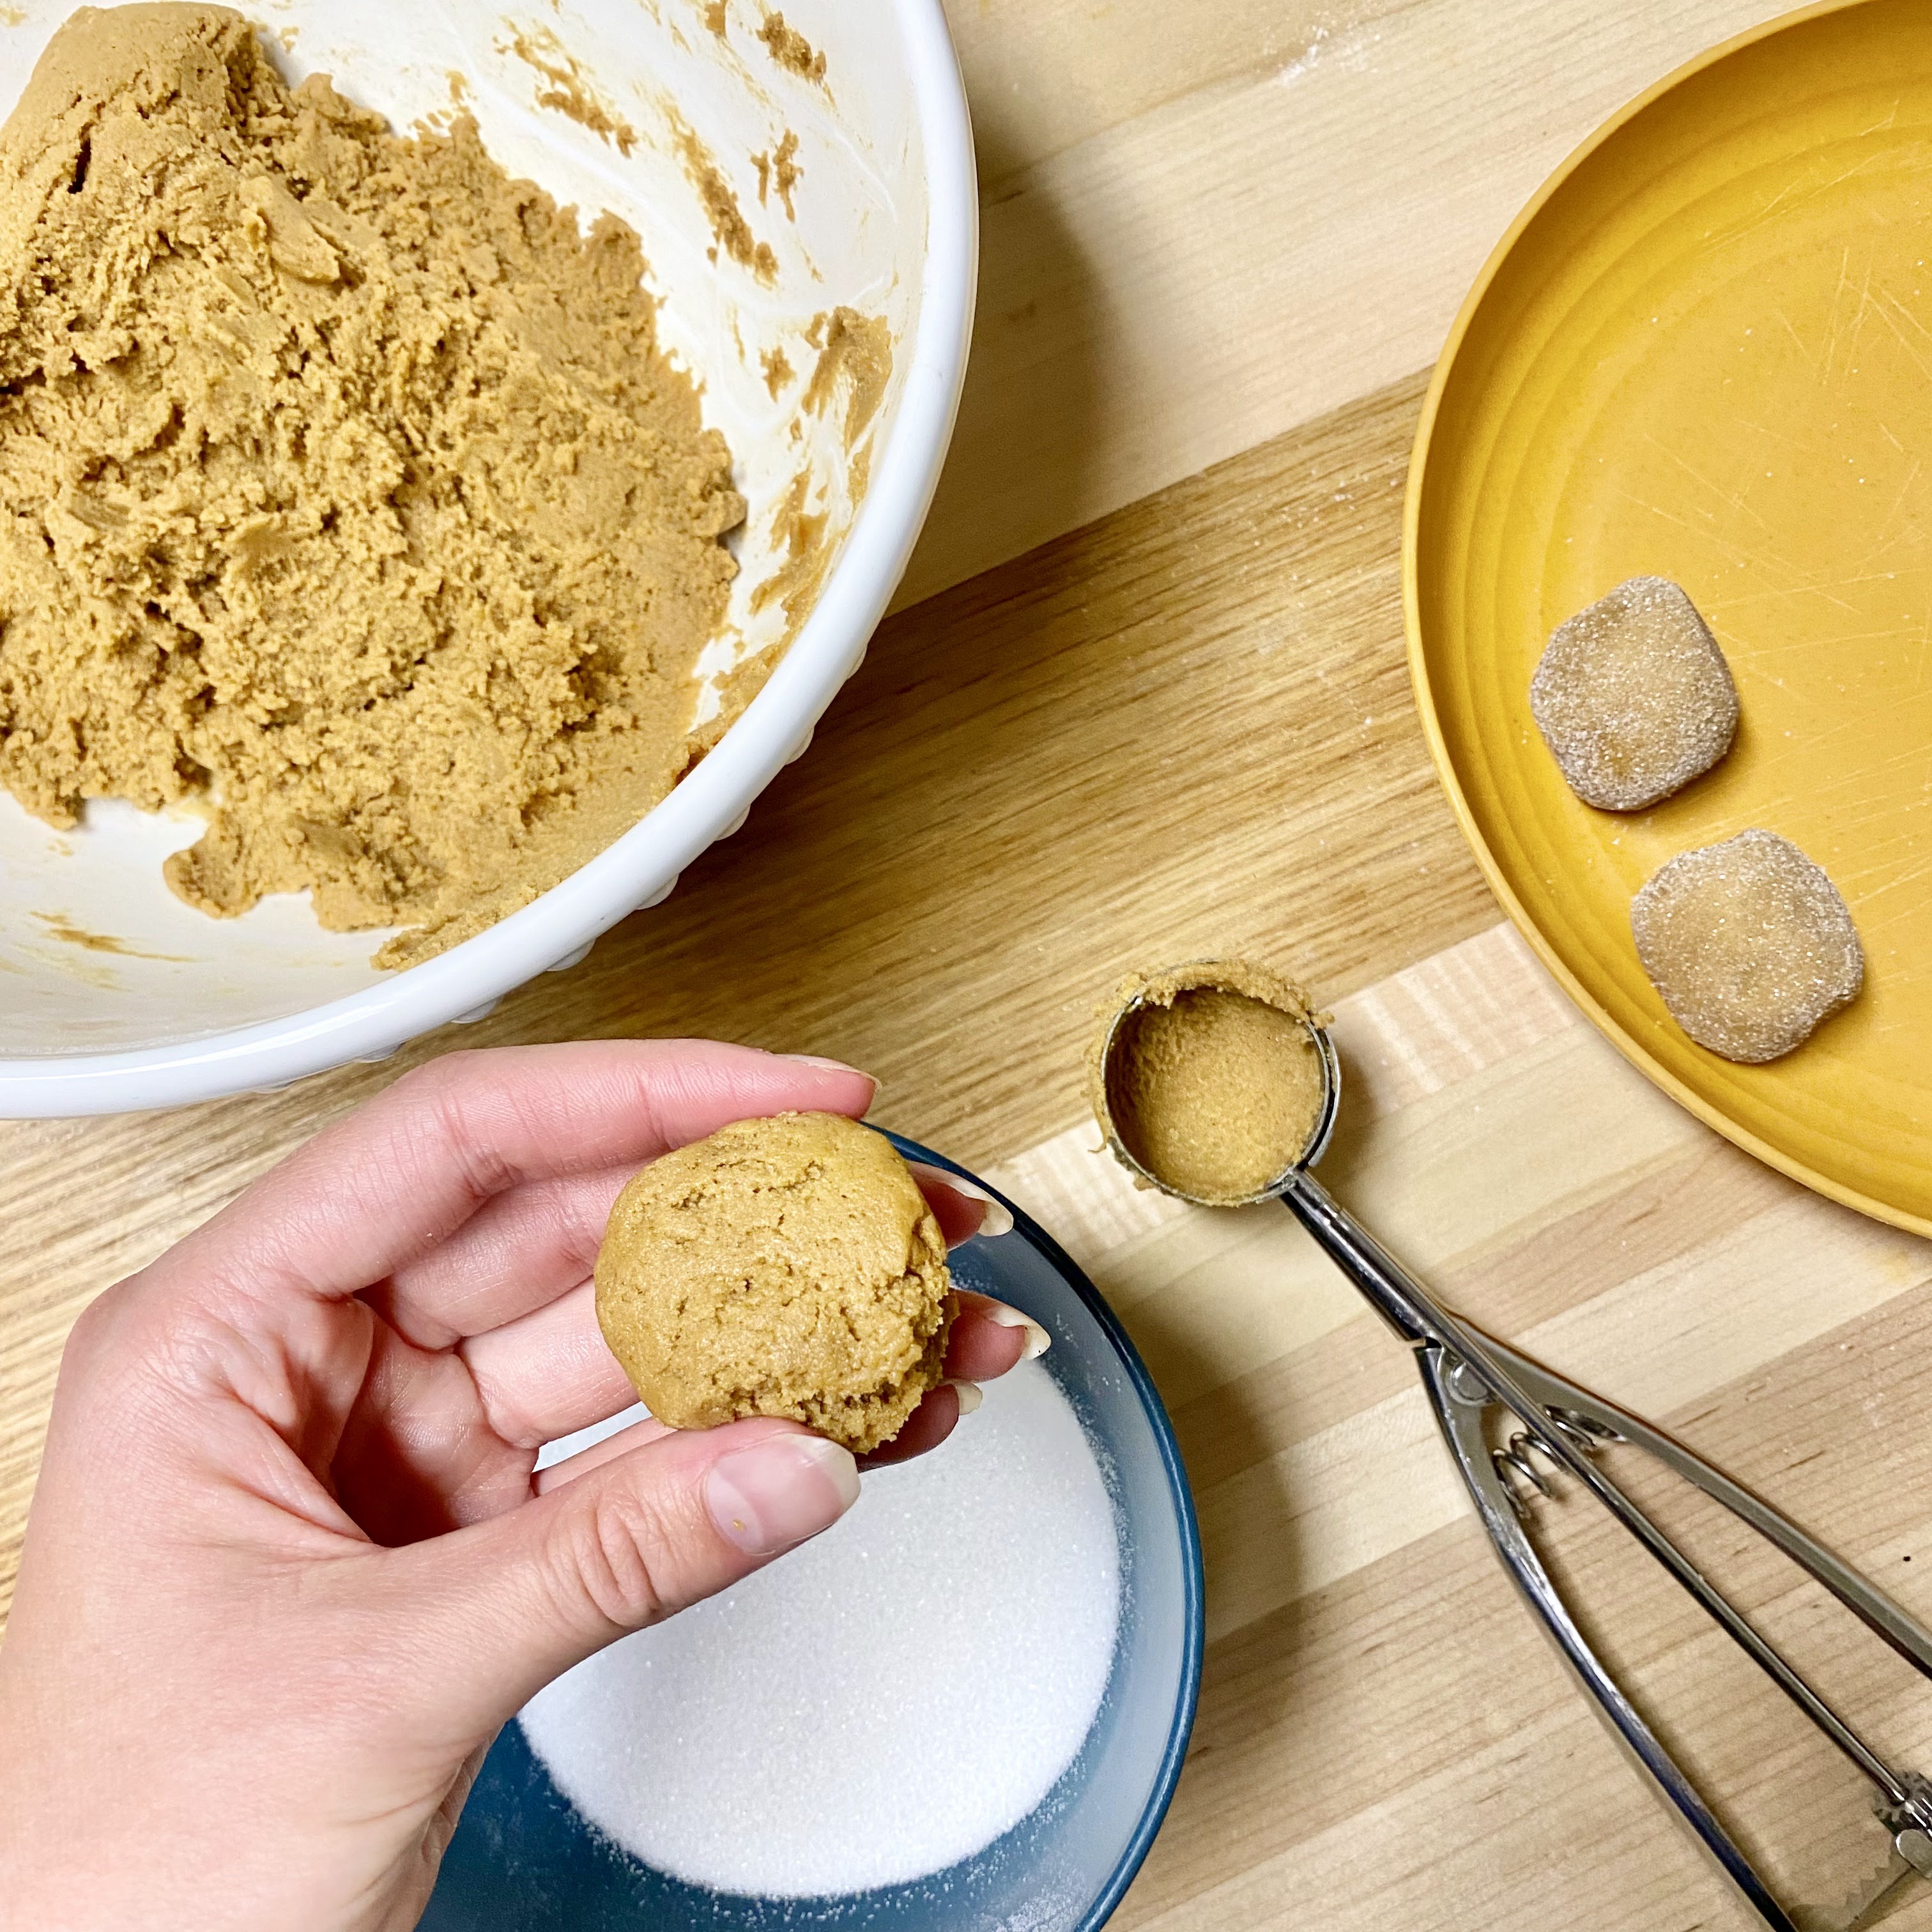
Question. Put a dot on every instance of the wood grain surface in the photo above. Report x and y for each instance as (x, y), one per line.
(1162, 710)
(1205, 224)
(1385, 1738)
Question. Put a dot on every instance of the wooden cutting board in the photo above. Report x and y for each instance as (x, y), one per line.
(1384, 1738)
(1231, 236)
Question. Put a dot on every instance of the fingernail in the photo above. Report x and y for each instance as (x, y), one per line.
(778, 1492)
(1038, 1340)
(969, 1394)
(998, 1218)
(830, 1065)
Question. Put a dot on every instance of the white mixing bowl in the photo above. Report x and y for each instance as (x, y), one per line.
(114, 996)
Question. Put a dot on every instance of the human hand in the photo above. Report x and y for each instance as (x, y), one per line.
(289, 1567)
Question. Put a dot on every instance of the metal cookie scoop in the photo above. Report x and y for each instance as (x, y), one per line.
(1477, 1386)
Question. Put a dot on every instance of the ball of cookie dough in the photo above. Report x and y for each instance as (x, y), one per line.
(788, 1266)
(1749, 944)
(1634, 697)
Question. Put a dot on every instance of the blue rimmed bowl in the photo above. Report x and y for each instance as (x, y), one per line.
(523, 1861)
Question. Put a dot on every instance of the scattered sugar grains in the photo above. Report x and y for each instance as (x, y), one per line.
(1634, 697)
(880, 1704)
(1749, 944)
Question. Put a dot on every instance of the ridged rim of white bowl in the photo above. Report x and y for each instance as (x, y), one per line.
(643, 866)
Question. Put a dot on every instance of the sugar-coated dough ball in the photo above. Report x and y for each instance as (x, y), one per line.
(1634, 697)
(1749, 944)
(788, 1266)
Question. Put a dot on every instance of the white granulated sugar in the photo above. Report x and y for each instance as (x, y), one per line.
(880, 1704)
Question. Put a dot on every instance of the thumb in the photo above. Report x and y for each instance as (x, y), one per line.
(516, 1601)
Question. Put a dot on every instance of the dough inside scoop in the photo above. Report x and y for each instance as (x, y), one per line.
(1750, 944)
(1210, 1082)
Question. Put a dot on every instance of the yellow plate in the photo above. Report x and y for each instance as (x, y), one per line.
(1705, 352)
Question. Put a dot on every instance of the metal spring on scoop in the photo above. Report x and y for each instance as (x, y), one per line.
(1473, 1381)
(1520, 1476)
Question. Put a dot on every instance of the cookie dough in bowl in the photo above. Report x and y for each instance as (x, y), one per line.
(816, 333)
(353, 501)
(788, 1267)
